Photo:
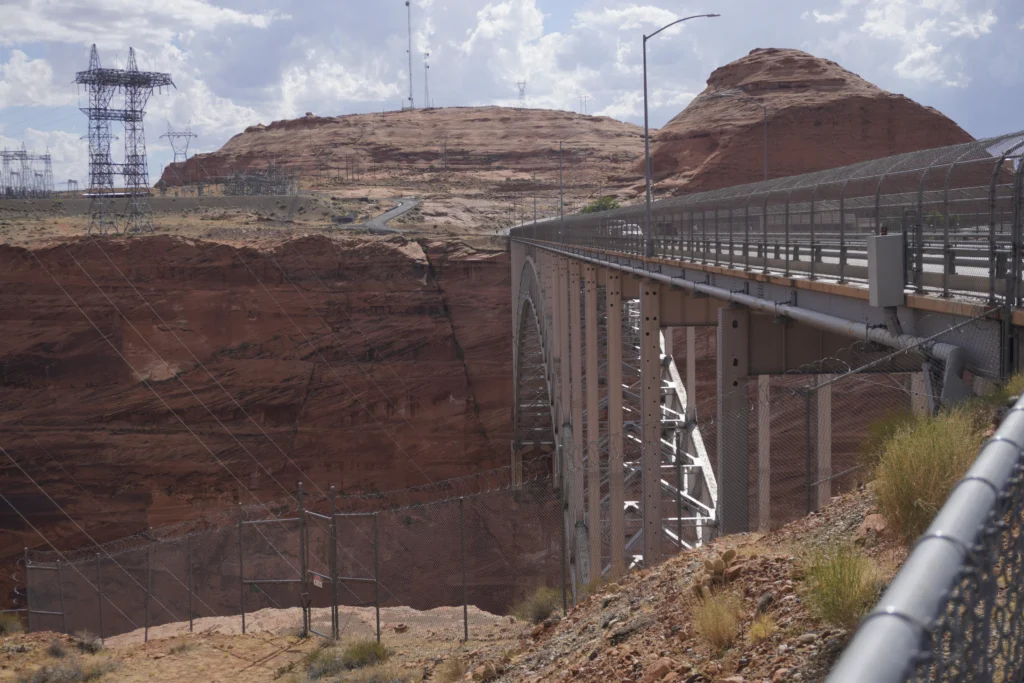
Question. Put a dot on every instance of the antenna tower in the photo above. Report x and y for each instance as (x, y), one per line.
(522, 94)
(137, 87)
(426, 80)
(408, 8)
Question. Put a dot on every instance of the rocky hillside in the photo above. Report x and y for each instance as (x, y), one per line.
(473, 166)
(819, 116)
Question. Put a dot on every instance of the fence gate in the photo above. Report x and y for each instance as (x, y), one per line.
(268, 545)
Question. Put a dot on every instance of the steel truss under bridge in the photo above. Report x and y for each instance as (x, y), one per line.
(547, 403)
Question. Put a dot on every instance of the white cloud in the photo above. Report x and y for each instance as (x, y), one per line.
(29, 82)
(118, 22)
(925, 34)
(632, 18)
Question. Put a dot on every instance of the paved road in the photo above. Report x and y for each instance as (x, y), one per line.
(378, 225)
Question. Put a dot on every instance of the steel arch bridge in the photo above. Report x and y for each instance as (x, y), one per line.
(578, 336)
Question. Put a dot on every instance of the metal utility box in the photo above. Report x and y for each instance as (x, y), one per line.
(885, 270)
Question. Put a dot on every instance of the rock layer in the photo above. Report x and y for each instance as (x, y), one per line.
(361, 364)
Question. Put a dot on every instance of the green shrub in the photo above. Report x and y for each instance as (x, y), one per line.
(88, 642)
(716, 619)
(10, 623)
(606, 203)
(539, 605)
(920, 464)
(56, 649)
(879, 433)
(331, 660)
(842, 584)
(364, 653)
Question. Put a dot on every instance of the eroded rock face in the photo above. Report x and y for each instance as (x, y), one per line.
(819, 116)
(485, 145)
(368, 363)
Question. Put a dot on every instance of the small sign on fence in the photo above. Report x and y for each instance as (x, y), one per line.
(318, 582)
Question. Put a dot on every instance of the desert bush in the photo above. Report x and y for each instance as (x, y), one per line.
(763, 628)
(364, 653)
(10, 623)
(182, 647)
(88, 643)
(841, 584)
(57, 649)
(383, 673)
(451, 670)
(330, 660)
(716, 619)
(878, 435)
(538, 606)
(920, 464)
(71, 671)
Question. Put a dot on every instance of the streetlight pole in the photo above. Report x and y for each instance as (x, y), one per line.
(648, 229)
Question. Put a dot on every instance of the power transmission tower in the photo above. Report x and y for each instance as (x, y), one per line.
(408, 8)
(522, 94)
(426, 80)
(137, 87)
(583, 103)
(179, 141)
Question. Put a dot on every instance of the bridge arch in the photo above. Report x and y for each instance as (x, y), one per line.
(534, 435)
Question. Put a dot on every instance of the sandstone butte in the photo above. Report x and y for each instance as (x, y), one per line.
(485, 148)
(820, 116)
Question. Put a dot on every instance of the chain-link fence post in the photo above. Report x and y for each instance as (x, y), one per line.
(806, 392)
(60, 590)
(241, 571)
(332, 567)
(304, 589)
(465, 598)
(376, 569)
(149, 588)
(28, 597)
(188, 577)
(99, 595)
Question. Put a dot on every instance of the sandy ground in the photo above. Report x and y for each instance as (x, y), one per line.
(271, 648)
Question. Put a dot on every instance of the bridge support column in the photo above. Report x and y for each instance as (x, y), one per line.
(733, 420)
(824, 477)
(562, 325)
(616, 502)
(764, 447)
(650, 418)
(576, 378)
(593, 423)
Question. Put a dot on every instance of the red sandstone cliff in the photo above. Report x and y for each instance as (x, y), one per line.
(397, 374)
(819, 116)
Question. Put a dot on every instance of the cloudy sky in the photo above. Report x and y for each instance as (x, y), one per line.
(240, 62)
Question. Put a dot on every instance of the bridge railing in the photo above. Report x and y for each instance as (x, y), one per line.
(953, 612)
(959, 209)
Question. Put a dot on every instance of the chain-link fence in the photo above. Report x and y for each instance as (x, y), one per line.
(953, 612)
(336, 566)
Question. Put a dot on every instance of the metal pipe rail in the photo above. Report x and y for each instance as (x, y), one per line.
(949, 613)
(959, 208)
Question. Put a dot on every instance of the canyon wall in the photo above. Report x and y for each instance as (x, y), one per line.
(369, 364)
